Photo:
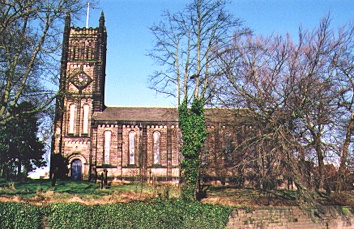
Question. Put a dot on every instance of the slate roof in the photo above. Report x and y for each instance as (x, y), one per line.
(138, 114)
(163, 114)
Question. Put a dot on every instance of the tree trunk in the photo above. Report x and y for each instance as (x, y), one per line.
(344, 155)
(320, 158)
(19, 170)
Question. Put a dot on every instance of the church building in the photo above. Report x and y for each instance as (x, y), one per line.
(125, 143)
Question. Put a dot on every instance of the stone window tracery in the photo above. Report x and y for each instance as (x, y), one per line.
(107, 146)
(86, 119)
(156, 149)
(72, 119)
(132, 147)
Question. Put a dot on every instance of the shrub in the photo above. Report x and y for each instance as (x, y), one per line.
(70, 215)
(173, 213)
(158, 213)
(19, 215)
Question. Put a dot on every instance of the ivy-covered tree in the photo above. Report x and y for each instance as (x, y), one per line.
(21, 151)
(194, 134)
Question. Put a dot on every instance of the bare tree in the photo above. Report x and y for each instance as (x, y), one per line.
(29, 44)
(343, 61)
(184, 47)
(295, 93)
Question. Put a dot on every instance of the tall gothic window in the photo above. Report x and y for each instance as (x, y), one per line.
(157, 147)
(72, 118)
(107, 146)
(132, 147)
(229, 150)
(85, 119)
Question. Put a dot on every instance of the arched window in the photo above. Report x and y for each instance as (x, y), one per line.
(132, 147)
(107, 146)
(85, 119)
(229, 150)
(157, 147)
(72, 118)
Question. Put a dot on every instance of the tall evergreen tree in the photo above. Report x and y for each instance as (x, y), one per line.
(21, 151)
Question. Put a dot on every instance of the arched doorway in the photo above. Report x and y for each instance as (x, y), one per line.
(76, 169)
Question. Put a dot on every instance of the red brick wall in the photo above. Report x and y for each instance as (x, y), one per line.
(288, 217)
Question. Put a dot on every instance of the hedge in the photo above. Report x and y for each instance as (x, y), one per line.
(19, 215)
(172, 213)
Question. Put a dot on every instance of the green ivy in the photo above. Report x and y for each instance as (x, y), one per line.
(194, 134)
(169, 213)
(19, 215)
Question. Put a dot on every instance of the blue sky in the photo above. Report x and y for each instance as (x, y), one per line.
(129, 37)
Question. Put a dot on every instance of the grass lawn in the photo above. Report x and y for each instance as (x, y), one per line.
(41, 192)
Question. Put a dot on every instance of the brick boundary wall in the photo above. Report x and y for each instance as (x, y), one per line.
(290, 218)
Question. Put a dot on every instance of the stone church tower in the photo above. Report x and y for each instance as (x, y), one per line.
(81, 92)
(122, 142)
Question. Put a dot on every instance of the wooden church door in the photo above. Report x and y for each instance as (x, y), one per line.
(76, 170)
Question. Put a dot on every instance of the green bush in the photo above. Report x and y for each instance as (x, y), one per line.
(172, 213)
(19, 215)
(155, 214)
